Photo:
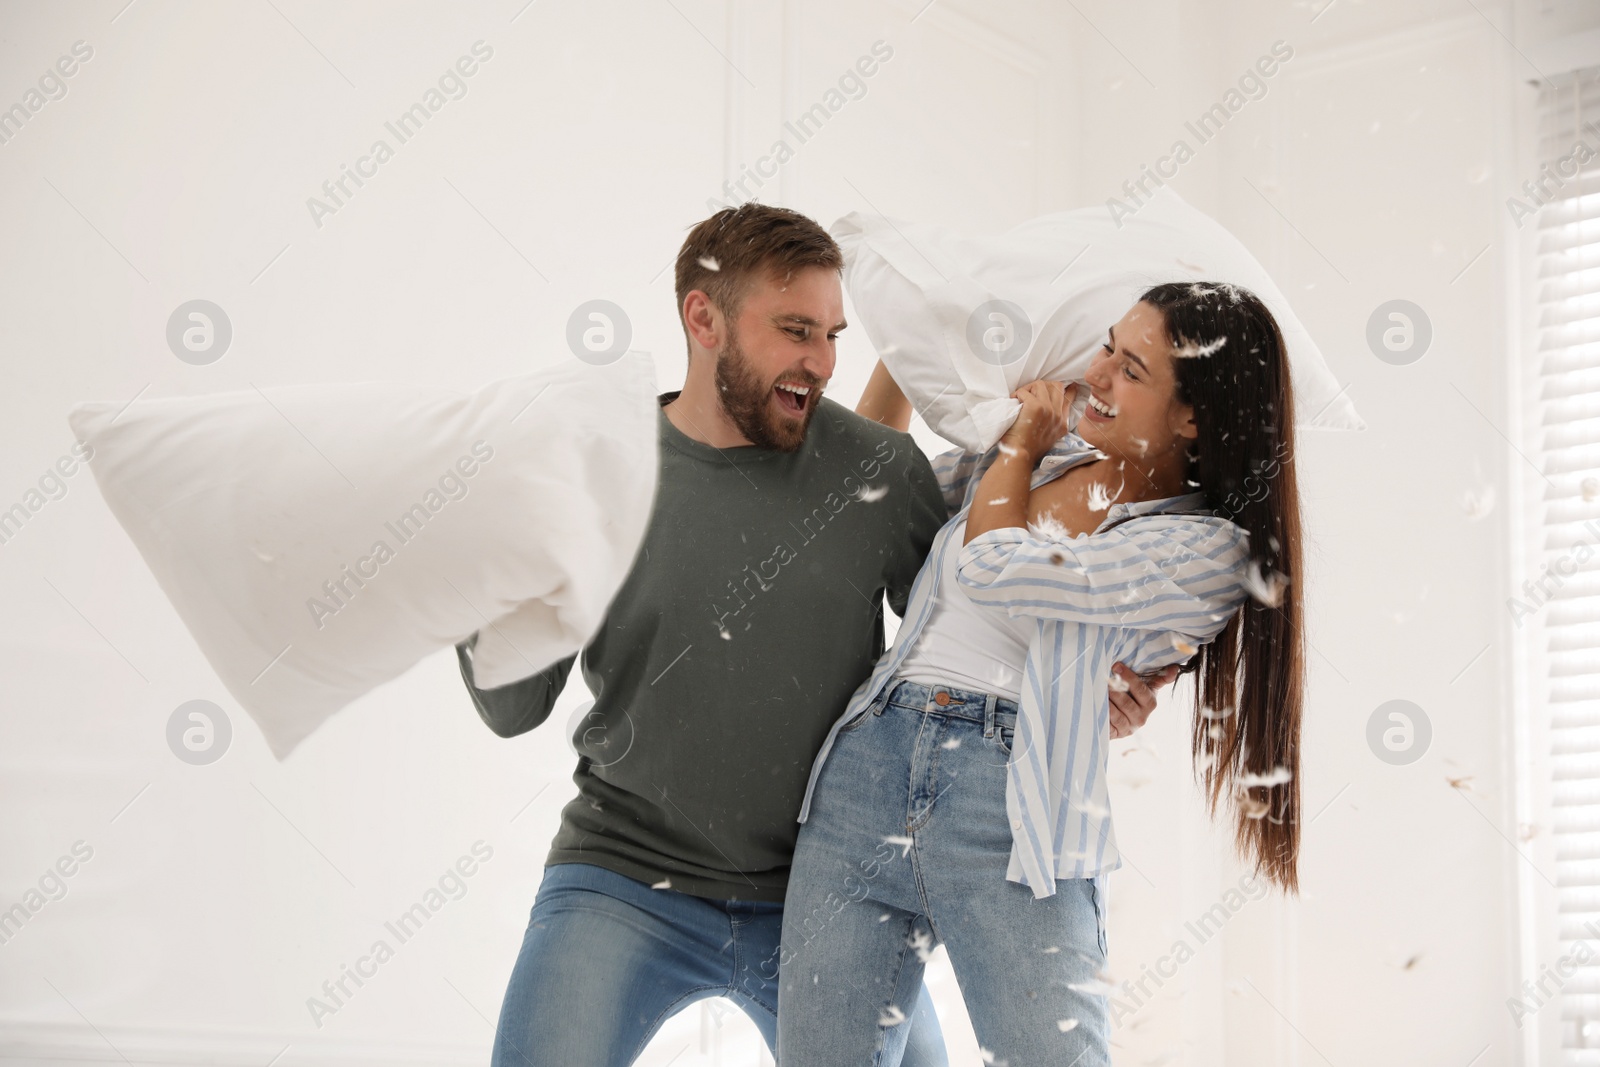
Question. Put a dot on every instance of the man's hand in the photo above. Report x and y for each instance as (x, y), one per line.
(1131, 708)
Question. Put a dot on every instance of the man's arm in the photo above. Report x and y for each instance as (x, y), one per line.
(924, 515)
(519, 707)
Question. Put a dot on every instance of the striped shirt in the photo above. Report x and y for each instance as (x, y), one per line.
(1156, 579)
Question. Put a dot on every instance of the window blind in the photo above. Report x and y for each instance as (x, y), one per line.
(1564, 425)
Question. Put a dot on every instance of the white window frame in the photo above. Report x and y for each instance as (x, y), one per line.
(1544, 832)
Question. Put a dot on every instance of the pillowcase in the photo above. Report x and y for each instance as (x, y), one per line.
(319, 540)
(920, 290)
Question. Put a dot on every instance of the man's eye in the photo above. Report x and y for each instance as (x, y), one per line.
(796, 332)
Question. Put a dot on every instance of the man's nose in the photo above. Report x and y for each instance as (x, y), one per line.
(820, 364)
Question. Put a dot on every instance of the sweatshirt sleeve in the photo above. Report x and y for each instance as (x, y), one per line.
(925, 515)
(519, 707)
(1179, 573)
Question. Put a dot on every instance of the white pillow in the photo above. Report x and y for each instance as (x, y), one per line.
(916, 287)
(523, 503)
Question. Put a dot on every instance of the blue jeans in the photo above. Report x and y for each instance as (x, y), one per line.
(906, 848)
(606, 960)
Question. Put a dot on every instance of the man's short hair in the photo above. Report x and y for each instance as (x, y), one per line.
(726, 253)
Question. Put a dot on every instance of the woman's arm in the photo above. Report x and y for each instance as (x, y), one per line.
(1002, 498)
(1177, 573)
(882, 401)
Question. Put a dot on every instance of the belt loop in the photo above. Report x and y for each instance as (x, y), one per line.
(988, 715)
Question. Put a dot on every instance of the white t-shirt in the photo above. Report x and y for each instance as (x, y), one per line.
(968, 645)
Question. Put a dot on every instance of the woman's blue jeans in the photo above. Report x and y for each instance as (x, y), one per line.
(607, 959)
(906, 848)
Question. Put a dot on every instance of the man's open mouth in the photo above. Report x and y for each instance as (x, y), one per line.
(793, 397)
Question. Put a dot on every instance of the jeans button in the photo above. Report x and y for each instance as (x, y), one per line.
(941, 698)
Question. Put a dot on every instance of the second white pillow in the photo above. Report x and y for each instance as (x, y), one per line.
(928, 299)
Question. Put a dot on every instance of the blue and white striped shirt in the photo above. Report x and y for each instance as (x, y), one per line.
(1157, 579)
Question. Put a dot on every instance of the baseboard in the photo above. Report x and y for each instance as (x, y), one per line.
(67, 1045)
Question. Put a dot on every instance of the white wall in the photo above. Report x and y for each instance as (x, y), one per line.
(178, 166)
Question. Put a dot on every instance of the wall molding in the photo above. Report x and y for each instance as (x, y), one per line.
(973, 33)
(28, 1041)
(1311, 60)
(1563, 55)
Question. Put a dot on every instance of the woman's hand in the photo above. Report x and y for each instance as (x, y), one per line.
(1043, 420)
(1003, 493)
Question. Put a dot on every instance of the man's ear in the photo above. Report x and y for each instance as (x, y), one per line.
(703, 320)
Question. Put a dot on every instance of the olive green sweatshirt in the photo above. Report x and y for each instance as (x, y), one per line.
(751, 613)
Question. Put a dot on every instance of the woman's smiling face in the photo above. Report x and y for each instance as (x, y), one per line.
(1134, 412)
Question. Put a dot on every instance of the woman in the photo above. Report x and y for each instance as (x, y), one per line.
(961, 798)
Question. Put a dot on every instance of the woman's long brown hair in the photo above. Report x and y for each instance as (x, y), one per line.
(1232, 367)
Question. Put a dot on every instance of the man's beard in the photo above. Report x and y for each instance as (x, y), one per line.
(749, 404)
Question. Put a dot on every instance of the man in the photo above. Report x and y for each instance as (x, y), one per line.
(751, 613)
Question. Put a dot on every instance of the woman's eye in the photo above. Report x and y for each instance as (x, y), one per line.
(1128, 370)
